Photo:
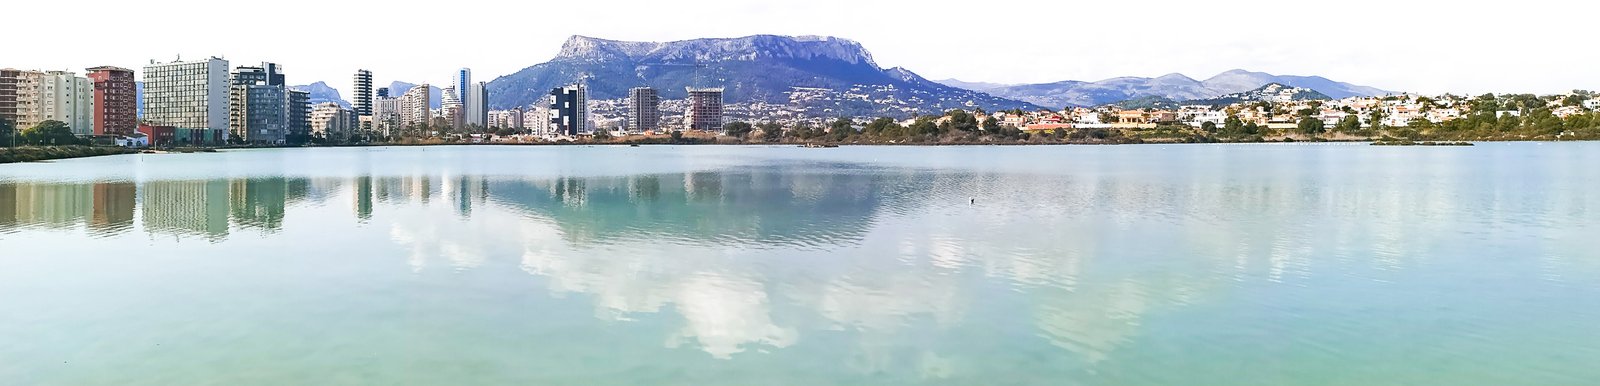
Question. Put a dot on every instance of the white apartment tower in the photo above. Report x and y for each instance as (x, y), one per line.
(187, 95)
(644, 109)
(414, 107)
(477, 105)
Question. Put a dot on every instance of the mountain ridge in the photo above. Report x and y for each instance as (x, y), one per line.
(822, 76)
(1174, 86)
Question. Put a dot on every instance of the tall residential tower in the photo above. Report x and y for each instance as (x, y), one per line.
(569, 111)
(191, 97)
(644, 109)
(477, 104)
(115, 101)
(363, 93)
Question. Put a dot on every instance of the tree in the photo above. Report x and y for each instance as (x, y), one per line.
(602, 135)
(50, 133)
(771, 132)
(8, 133)
(1233, 125)
(1252, 128)
(1312, 126)
(1350, 123)
(1209, 127)
(677, 136)
(880, 126)
(924, 126)
(1376, 117)
(841, 129)
(989, 123)
(737, 129)
(961, 121)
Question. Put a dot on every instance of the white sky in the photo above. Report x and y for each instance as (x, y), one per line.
(1541, 46)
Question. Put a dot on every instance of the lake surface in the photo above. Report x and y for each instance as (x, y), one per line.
(1329, 264)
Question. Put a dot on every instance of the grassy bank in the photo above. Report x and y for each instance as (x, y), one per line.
(45, 153)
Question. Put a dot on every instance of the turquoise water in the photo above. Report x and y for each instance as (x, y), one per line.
(1079, 265)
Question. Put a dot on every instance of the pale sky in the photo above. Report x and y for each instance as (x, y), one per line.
(1540, 46)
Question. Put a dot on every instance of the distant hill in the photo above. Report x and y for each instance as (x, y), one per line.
(1272, 92)
(1172, 86)
(1149, 102)
(322, 93)
(822, 76)
(974, 86)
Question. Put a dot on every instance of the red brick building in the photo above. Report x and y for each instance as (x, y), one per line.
(160, 136)
(115, 104)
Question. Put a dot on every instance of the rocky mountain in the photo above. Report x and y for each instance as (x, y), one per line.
(1272, 92)
(822, 76)
(322, 93)
(1171, 86)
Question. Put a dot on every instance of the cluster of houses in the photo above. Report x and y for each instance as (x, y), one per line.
(1396, 111)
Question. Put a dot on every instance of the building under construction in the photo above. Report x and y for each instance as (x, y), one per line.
(705, 109)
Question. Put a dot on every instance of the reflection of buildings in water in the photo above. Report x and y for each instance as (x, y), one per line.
(113, 206)
(644, 189)
(363, 198)
(258, 202)
(746, 208)
(464, 192)
(8, 205)
(106, 208)
(417, 188)
(186, 208)
(53, 205)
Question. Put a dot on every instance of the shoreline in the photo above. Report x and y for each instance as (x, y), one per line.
(54, 153)
(25, 154)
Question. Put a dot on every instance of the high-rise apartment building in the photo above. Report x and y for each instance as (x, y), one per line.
(463, 79)
(705, 109)
(116, 107)
(644, 109)
(383, 92)
(299, 130)
(32, 97)
(258, 110)
(477, 103)
(451, 108)
(569, 111)
(414, 107)
(190, 96)
(363, 93)
(386, 114)
(9, 79)
(330, 121)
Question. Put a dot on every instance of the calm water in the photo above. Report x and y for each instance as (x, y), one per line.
(1126, 265)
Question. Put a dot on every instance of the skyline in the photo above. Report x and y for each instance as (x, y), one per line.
(1425, 48)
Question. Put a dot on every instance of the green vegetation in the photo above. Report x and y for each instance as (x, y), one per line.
(8, 133)
(43, 153)
(51, 133)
